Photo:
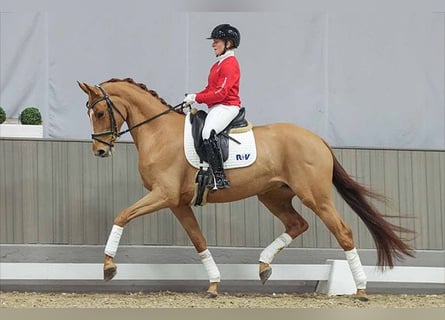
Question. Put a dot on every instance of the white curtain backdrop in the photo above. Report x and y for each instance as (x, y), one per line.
(23, 62)
(365, 78)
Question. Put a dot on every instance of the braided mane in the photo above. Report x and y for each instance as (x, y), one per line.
(140, 85)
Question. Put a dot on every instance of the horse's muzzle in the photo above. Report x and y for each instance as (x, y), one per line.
(102, 153)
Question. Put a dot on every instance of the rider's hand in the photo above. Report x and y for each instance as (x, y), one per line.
(186, 109)
(190, 99)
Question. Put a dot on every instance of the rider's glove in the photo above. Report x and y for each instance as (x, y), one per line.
(190, 99)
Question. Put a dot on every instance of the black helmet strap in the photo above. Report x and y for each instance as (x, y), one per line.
(225, 46)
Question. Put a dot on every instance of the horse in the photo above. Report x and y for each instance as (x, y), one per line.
(291, 161)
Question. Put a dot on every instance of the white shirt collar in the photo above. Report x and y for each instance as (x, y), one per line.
(228, 53)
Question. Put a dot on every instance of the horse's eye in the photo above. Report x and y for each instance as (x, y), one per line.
(100, 114)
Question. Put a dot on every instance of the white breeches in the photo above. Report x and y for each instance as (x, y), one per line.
(218, 118)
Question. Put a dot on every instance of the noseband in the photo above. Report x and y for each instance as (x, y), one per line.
(113, 131)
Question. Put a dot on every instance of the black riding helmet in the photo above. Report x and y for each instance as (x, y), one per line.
(226, 32)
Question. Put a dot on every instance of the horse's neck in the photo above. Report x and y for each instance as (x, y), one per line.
(156, 132)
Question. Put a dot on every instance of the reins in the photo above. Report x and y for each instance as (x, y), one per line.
(115, 134)
(170, 108)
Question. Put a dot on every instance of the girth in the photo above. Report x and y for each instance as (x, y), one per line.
(197, 120)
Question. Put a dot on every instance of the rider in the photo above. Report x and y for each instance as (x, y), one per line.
(220, 95)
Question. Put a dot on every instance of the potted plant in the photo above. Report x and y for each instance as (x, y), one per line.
(28, 125)
(30, 116)
(2, 115)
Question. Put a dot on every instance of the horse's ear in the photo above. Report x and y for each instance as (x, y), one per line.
(89, 90)
(85, 88)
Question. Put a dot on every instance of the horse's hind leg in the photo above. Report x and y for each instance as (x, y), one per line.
(279, 202)
(190, 224)
(321, 202)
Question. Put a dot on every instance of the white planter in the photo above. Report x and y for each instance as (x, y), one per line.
(17, 130)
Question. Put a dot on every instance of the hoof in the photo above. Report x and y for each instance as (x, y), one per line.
(361, 295)
(211, 295)
(265, 274)
(110, 273)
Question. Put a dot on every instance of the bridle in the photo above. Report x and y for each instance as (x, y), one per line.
(113, 131)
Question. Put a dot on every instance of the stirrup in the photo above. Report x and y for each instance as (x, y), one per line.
(222, 182)
(224, 185)
(219, 183)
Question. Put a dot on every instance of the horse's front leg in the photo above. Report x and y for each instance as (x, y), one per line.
(188, 221)
(151, 202)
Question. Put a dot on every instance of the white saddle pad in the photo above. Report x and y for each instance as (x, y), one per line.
(240, 155)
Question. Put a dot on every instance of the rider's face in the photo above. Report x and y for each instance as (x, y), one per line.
(218, 46)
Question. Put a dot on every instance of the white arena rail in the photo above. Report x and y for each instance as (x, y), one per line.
(334, 277)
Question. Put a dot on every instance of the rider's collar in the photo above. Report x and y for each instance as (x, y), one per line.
(228, 53)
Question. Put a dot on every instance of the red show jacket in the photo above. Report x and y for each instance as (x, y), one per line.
(223, 84)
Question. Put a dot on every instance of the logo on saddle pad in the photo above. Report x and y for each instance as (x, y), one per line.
(242, 149)
(242, 156)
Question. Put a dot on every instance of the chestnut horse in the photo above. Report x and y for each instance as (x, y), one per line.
(291, 161)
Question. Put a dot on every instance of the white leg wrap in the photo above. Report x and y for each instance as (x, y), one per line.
(358, 273)
(210, 266)
(276, 246)
(113, 240)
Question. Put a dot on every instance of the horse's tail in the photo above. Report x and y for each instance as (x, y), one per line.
(389, 245)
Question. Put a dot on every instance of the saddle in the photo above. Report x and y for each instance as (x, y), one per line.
(197, 119)
(204, 180)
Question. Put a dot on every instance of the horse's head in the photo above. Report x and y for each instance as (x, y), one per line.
(102, 113)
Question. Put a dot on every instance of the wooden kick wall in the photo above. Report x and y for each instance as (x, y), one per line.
(57, 192)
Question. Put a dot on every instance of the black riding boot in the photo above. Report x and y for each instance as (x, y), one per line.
(216, 162)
